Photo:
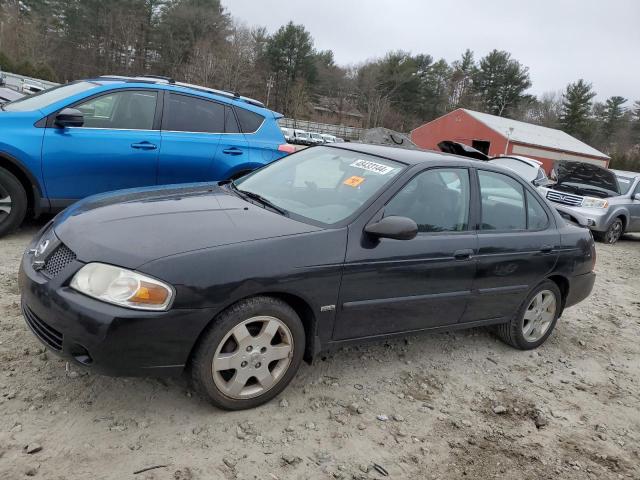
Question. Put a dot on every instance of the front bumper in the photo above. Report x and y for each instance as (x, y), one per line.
(106, 338)
(597, 219)
(580, 287)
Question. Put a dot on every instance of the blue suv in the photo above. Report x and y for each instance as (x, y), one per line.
(110, 133)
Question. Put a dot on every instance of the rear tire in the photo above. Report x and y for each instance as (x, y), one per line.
(248, 354)
(13, 202)
(535, 320)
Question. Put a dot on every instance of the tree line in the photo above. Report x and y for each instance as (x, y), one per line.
(198, 41)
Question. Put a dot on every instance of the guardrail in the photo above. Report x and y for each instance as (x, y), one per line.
(342, 131)
(17, 82)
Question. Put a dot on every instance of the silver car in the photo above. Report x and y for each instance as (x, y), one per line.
(606, 201)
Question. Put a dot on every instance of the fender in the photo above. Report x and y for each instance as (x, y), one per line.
(244, 168)
(39, 202)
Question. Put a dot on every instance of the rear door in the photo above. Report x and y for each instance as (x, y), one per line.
(195, 145)
(518, 246)
(233, 154)
(117, 147)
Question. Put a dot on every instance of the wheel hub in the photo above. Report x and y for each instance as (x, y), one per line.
(252, 357)
(539, 315)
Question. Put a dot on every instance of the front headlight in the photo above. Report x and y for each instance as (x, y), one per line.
(122, 287)
(590, 202)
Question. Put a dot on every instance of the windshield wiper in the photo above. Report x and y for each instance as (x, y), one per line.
(260, 198)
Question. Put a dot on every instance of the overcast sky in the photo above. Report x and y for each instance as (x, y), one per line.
(559, 40)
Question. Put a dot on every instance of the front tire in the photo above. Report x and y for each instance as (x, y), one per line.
(535, 320)
(613, 233)
(13, 202)
(249, 353)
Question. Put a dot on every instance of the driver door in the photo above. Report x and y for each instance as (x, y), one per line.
(117, 147)
(634, 210)
(391, 286)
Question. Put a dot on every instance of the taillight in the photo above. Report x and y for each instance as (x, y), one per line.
(287, 148)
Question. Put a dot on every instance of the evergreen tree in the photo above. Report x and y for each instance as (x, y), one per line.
(500, 83)
(576, 109)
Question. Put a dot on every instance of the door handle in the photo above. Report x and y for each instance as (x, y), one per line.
(144, 146)
(232, 151)
(464, 254)
(546, 248)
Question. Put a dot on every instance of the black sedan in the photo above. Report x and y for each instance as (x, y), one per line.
(237, 282)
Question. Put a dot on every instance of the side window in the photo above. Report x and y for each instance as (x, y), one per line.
(128, 110)
(537, 218)
(249, 121)
(437, 200)
(191, 114)
(502, 202)
(230, 124)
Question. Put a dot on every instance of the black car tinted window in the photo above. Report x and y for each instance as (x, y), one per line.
(191, 114)
(502, 202)
(230, 124)
(249, 121)
(127, 110)
(437, 200)
(537, 218)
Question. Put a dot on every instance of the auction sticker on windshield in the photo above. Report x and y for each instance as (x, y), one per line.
(354, 181)
(374, 167)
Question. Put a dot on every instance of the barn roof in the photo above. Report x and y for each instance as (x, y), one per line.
(535, 134)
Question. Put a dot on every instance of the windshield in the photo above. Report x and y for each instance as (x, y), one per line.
(47, 97)
(323, 184)
(624, 183)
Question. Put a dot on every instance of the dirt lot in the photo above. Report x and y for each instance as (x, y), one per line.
(440, 406)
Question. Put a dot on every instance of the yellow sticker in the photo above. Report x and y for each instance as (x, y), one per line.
(354, 181)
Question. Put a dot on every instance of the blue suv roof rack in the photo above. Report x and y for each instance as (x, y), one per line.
(171, 81)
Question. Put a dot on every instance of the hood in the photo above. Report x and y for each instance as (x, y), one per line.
(132, 227)
(582, 176)
(457, 148)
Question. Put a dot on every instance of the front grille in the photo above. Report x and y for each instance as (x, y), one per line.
(46, 333)
(564, 198)
(58, 260)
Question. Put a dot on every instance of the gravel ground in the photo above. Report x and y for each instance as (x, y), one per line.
(439, 406)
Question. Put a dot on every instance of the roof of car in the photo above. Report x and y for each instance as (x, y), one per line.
(410, 157)
(168, 81)
(529, 161)
(625, 173)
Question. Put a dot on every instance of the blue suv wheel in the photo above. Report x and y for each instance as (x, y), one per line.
(13, 202)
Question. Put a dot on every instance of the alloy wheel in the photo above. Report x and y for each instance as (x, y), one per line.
(253, 357)
(614, 232)
(5, 204)
(539, 315)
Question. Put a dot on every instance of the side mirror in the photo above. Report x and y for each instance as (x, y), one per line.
(397, 228)
(69, 117)
(635, 196)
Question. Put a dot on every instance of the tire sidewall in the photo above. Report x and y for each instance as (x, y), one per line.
(518, 321)
(202, 370)
(19, 202)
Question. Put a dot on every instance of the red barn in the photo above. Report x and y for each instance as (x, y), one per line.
(499, 136)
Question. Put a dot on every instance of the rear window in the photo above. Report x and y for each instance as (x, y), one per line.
(191, 114)
(249, 121)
